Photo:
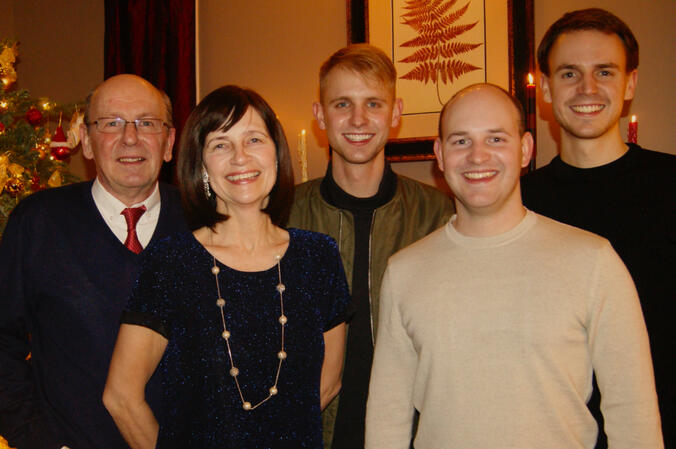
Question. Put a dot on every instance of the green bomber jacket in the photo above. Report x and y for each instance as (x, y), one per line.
(414, 211)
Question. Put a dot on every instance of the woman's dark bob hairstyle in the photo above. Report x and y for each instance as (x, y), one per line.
(219, 111)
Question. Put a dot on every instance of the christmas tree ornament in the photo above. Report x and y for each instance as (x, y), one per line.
(74, 130)
(35, 182)
(15, 170)
(7, 58)
(55, 180)
(14, 186)
(3, 179)
(26, 162)
(59, 145)
(33, 116)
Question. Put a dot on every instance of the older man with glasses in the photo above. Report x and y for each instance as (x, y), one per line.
(68, 259)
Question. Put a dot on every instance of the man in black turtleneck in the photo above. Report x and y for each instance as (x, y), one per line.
(366, 207)
(625, 193)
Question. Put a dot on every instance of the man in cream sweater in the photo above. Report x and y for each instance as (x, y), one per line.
(492, 326)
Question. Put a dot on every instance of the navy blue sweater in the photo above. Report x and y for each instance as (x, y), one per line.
(65, 279)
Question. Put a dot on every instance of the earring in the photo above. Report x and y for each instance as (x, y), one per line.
(205, 182)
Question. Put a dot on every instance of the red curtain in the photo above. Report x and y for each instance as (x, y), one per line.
(154, 39)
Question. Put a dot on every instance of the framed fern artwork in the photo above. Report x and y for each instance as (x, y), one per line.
(440, 46)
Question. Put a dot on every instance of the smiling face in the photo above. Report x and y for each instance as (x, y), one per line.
(588, 83)
(127, 163)
(481, 153)
(241, 163)
(357, 114)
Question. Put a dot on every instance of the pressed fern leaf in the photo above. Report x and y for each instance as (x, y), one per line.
(435, 23)
(448, 70)
(446, 51)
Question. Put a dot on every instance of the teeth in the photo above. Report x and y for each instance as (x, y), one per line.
(243, 176)
(131, 159)
(479, 175)
(587, 108)
(358, 137)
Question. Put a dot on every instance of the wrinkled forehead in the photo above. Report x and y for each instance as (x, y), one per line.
(127, 100)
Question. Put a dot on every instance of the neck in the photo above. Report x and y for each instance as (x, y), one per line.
(589, 153)
(244, 232)
(359, 180)
(473, 223)
(130, 197)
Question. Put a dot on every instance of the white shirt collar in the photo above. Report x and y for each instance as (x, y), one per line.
(111, 208)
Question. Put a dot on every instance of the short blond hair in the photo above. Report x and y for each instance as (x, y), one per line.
(364, 59)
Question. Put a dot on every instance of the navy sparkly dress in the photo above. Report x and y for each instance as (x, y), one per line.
(175, 296)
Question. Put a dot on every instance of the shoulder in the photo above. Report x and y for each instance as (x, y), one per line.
(59, 200)
(422, 196)
(419, 189)
(172, 247)
(311, 241)
(654, 159)
(537, 176)
(570, 238)
(306, 193)
(170, 194)
(421, 251)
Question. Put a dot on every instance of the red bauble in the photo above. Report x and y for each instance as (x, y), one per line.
(59, 146)
(2, 127)
(35, 182)
(34, 116)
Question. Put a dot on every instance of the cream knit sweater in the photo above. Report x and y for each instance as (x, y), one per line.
(494, 341)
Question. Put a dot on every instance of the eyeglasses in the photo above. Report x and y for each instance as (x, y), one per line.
(116, 125)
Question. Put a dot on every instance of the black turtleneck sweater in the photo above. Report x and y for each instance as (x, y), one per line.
(349, 427)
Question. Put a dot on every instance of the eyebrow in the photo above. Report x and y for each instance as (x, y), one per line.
(347, 98)
(605, 65)
(489, 131)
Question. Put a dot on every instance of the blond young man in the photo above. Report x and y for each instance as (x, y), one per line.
(365, 206)
(491, 326)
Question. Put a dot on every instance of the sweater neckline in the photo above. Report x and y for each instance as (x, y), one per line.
(564, 170)
(493, 241)
(337, 197)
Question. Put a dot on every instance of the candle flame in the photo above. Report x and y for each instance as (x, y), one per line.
(531, 80)
(633, 119)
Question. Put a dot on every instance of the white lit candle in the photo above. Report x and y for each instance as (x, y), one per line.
(302, 155)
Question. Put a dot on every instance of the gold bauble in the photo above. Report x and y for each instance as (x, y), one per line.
(14, 186)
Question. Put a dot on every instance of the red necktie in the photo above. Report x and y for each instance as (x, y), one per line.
(132, 215)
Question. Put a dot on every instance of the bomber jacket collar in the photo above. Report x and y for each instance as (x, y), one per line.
(333, 194)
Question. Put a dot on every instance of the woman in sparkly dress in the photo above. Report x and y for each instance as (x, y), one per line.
(242, 318)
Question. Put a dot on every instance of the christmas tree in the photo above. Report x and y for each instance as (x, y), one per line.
(34, 150)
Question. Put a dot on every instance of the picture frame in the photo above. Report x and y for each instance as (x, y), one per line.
(508, 58)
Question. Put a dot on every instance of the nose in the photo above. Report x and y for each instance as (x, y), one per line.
(358, 117)
(239, 155)
(478, 154)
(129, 133)
(588, 84)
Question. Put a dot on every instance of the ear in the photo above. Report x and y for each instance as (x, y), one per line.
(169, 145)
(526, 149)
(632, 79)
(544, 87)
(438, 152)
(397, 110)
(318, 111)
(86, 143)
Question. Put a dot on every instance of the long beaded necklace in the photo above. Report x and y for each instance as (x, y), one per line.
(281, 355)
